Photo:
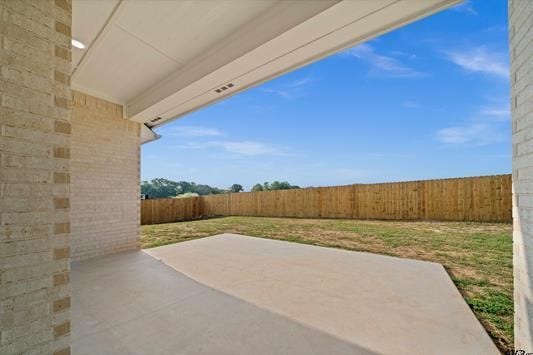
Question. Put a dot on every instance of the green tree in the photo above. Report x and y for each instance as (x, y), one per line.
(203, 189)
(159, 188)
(275, 185)
(162, 188)
(216, 191)
(236, 188)
(257, 187)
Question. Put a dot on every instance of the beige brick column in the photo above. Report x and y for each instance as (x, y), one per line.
(34, 176)
(521, 48)
(105, 178)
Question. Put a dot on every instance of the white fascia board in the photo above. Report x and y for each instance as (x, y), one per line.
(328, 32)
(147, 135)
(222, 62)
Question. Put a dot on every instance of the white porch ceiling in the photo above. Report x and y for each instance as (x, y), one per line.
(164, 58)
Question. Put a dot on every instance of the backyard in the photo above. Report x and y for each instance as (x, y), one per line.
(478, 256)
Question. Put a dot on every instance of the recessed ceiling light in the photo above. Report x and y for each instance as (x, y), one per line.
(78, 44)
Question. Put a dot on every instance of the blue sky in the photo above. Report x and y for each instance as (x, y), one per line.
(430, 100)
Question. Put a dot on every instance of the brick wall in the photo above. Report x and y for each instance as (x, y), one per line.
(521, 48)
(34, 174)
(105, 178)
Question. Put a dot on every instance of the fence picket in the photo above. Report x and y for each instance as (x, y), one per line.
(482, 199)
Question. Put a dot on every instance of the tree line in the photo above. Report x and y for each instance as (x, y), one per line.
(164, 188)
(276, 185)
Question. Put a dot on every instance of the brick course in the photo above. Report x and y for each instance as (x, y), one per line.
(521, 52)
(105, 178)
(33, 123)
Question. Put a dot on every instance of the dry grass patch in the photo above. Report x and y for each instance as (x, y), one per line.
(478, 256)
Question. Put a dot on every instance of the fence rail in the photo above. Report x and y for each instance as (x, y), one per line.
(482, 199)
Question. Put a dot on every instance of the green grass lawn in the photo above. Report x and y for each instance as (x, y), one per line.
(478, 256)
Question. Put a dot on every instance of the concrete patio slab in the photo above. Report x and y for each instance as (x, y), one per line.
(231, 294)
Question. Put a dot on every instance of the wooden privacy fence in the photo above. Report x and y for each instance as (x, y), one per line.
(168, 210)
(482, 199)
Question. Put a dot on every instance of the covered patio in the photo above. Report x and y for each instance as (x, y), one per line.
(233, 294)
(83, 84)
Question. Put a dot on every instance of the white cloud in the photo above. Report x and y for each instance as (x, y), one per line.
(301, 82)
(473, 133)
(489, 124)
(410, 104)
(403, 54)
(240, 148)
(480, 60)
(382, 64)
(290, 90)
(390, 155)
(496, 28)
(466, 8)
(497, 113)
(282, 93)
(250, 148)
(193, 131)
